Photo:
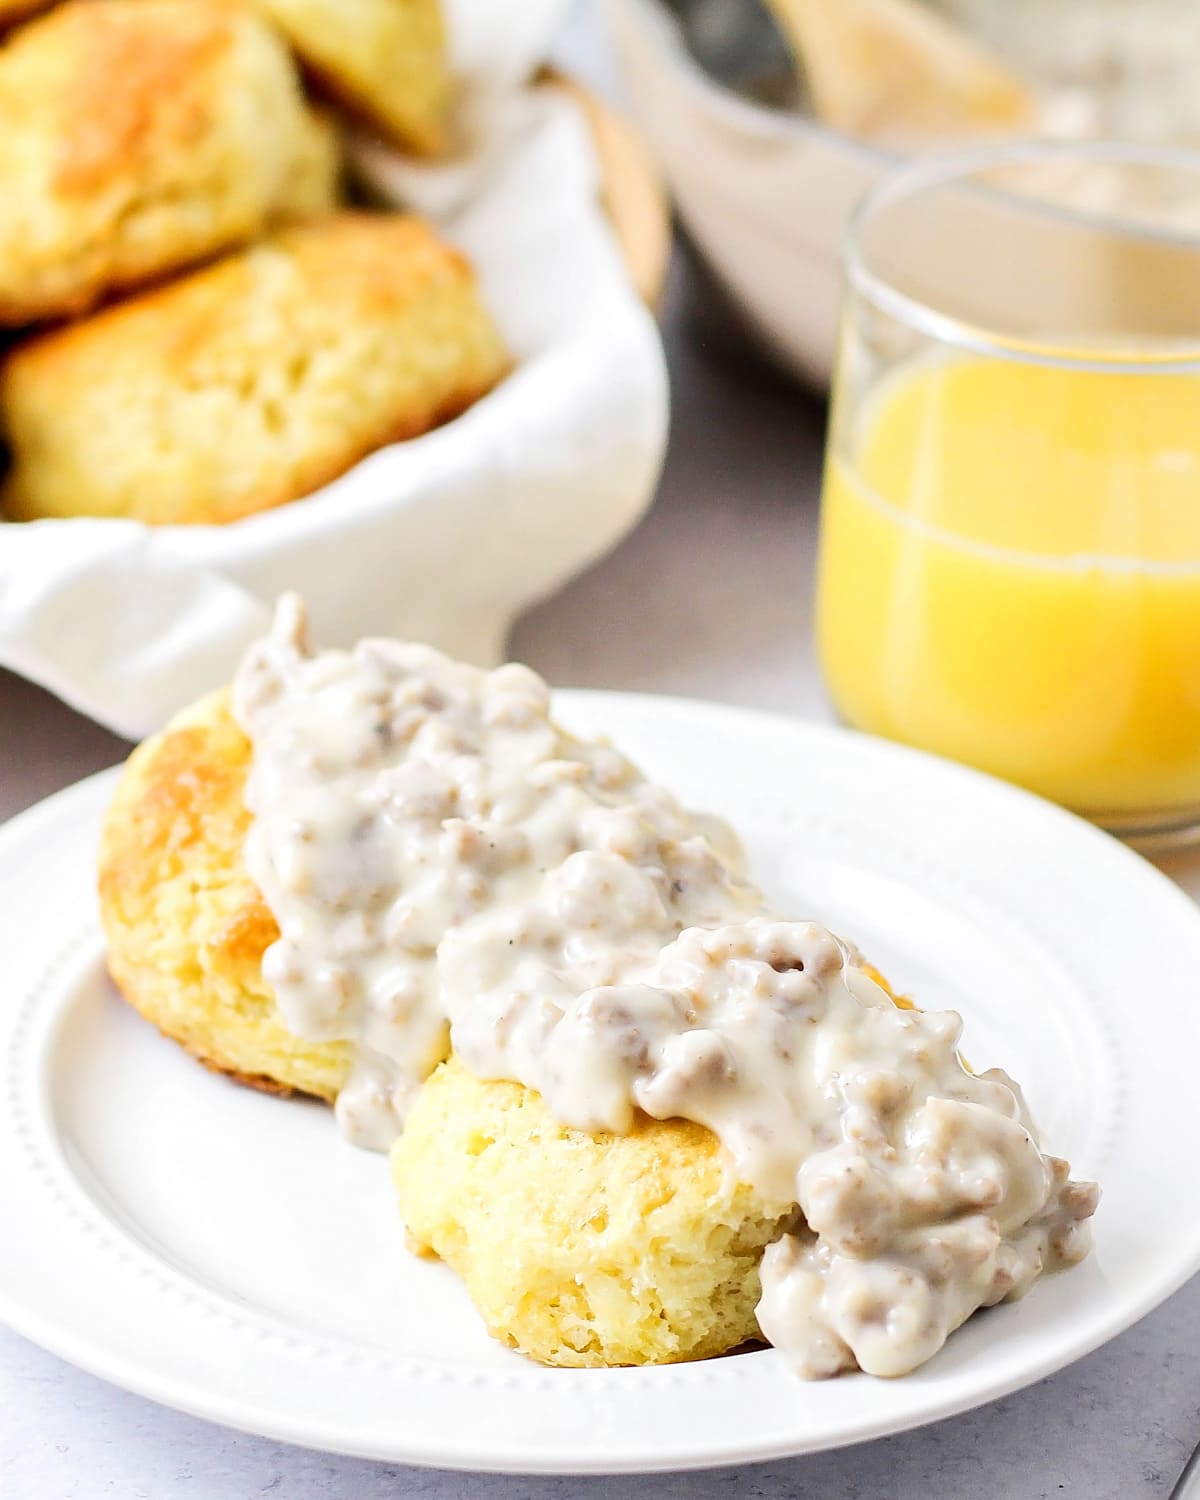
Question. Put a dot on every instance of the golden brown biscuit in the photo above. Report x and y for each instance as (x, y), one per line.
(249, 383)
(136, 137)
(383, 59)
(17, 10)
(186, 928)
(582, 1249)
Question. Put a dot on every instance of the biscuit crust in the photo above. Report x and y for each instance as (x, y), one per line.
(17, 10)
(137, 137)
(186, 927)
(252, 382)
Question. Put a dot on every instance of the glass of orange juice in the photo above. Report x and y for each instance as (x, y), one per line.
(1009, 566)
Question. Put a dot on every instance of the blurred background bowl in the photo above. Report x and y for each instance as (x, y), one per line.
(765, 190)
(764, 193)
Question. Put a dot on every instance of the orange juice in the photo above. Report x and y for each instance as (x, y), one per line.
(1010, 575)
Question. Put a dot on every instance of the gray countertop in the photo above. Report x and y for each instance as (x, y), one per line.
(710, 597)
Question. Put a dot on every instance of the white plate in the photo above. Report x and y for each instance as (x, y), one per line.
(225, 1253)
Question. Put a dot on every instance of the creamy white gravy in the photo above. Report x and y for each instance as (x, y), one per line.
(442, 859)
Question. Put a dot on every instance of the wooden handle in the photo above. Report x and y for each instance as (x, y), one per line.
(633, 194)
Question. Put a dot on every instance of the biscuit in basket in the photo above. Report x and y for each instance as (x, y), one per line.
(186, 928)
(582, 1249)
(385, 60)
(251, 382)
(137, 137)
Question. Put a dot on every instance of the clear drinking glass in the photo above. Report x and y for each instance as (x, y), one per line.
(1009, 567)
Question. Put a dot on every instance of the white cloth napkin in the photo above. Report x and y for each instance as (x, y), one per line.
(445, 538)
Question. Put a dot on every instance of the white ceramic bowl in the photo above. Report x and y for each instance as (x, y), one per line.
(764, 194)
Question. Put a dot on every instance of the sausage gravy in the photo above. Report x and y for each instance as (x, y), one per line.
(448, 866)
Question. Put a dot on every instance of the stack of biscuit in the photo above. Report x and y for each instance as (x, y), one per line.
(224, 333)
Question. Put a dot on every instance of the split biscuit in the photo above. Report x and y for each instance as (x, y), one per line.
(579, 1249)
(583, 1248)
